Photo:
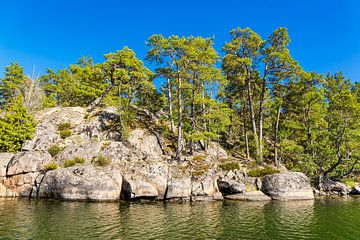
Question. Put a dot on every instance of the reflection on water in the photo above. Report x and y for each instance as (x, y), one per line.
(319, 219)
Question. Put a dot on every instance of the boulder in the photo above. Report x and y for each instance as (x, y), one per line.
(26, 162)
(333, 188)
(144, 179)
(233, 182)
(230, 186)
(85, 182)
(287, 186)
(206, 187)
(355, 190)
(179, 188)
(249, 196)
(4, 161)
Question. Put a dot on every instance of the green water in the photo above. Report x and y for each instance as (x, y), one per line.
(319, 219)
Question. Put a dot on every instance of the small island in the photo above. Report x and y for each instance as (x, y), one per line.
(179, 120)
(256, 128)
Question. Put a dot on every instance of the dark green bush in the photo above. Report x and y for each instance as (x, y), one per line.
(64, 126)
(227, 166)
(50, 166)
(54, 150)
(102, 161)
(73, 162)
(65, 134)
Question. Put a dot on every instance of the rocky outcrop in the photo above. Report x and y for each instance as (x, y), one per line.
(134, 164)
(46, 132)
(144, 180)
(331, 187)
(27, 162)
(287, 186)
(85, 182)
(4, 161)
(236, 181)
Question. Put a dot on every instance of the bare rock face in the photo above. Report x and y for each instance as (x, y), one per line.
(85, 182)
(144, 180)
(146, 143)
(287, 186)
(249, 196)
(46, 133)
(101, 125)
(4, 161)
(26, 162)
(205, 187)
(179, 188)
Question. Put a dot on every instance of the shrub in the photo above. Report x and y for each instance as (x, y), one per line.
(227, 166)
(54, 150)
(260, 172)
(102, 161)
(73, 162)
(349, 182)
(50, 166)
(65, 134)
(64, 126)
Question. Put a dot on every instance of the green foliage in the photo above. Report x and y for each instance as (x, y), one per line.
(64, 126)
(12, 85)
(229, 165)
(65, 133)
(349, 182)
(101, 160)
(16, 126)
(260, 172)
(55, 150)
(73, 162)
(50, 166)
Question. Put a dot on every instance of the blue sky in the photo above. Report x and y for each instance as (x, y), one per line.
(325, 35)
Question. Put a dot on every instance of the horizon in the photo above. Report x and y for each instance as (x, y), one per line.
(49, 35)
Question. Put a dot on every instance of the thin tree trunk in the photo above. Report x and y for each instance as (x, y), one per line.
(172, 125)
(179, 137)
(203, 113)
(252, 117)
(247, 152)
(276, 161)
(261, 112)
(192, 114)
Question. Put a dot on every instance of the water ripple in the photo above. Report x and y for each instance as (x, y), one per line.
(319, 219)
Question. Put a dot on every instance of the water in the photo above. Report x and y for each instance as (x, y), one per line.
(319, 219)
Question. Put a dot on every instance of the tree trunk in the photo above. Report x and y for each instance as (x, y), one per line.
(192, 114)
(97, 101)
(261, 113)
(203, 113)
(247, 152)
(252, 117)
(276, 161)
(179, 137)
(172, 125)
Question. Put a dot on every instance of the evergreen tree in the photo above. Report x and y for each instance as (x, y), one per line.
(16, 126)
